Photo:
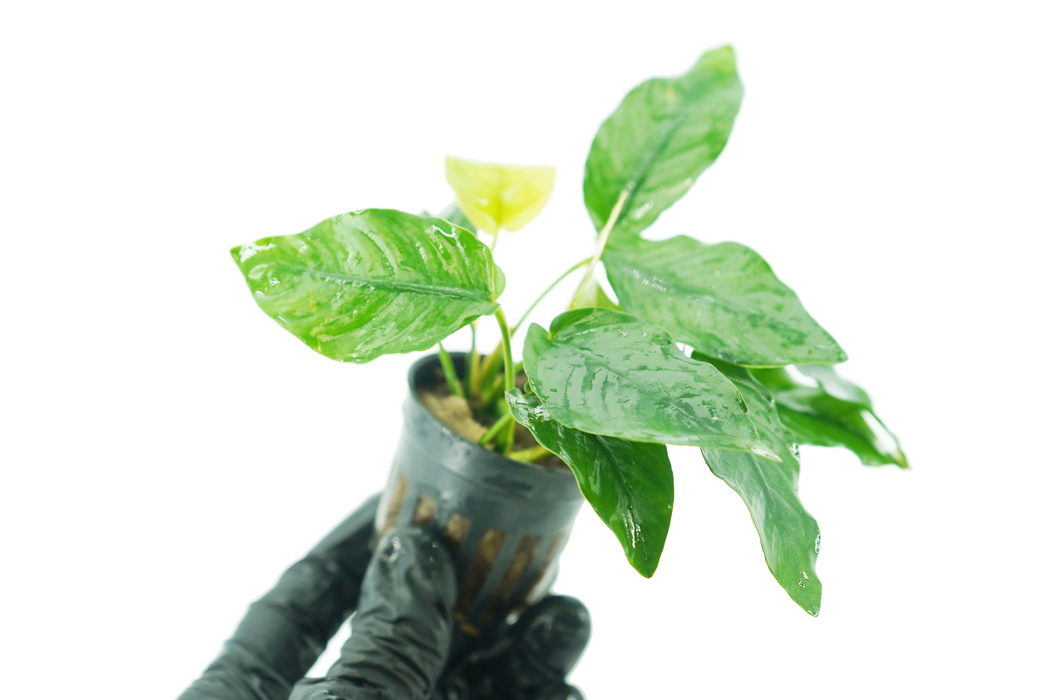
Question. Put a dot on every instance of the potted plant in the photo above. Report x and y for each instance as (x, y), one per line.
(696, 349)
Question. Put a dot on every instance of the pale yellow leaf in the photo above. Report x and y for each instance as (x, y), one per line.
(495, 196)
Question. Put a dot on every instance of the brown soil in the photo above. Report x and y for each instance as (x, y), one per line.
(456, 413)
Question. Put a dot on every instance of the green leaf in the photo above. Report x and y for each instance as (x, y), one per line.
(721, 299)
(662, 136)
(629, 484)
(836, 385)
(607, 373)
(372, 282)
(592, 295)
(454, 215)
(789, 535)
(837, 413)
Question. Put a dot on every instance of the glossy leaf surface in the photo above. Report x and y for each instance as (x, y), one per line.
(662, 136)
(372, 282)
(629, 484)
(837, 413)
(721, 299)
(789, 535)
(495, 196)
(607, 373)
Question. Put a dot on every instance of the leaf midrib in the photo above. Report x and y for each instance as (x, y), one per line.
(669, 400)
(633, 183)
(724, 301)
(643, 170)
(389, 284)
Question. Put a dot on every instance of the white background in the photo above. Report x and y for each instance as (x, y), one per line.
(167, 449)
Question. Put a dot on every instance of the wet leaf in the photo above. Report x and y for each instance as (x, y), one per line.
(721, 299)
(837, 413)
(662, 136)
(789, 535)
(629, 484)
(372, 282)
(607, 373)
(495, 196)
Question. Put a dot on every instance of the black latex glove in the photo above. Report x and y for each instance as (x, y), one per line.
(401, 633)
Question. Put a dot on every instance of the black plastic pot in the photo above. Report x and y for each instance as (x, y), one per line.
(506, 522)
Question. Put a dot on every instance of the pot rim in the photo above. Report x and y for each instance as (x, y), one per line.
(422, 370)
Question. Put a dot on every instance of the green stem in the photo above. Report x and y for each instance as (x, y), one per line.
(495, 389)
(547, 291)
(531, 454)
(472, 361)
(508, 359)
(489, 366)
(450, 372)
(496, 428)
(492, 391)
(603, 238)
(507, 441)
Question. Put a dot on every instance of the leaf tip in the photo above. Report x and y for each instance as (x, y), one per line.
(645, 567)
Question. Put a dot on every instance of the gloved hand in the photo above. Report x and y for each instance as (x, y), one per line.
(401, 633)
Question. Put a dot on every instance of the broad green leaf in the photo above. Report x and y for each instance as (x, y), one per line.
(453, 214)
(822, 416)
(592, 295)
(629, 484)
(372, 282)
(607, 373)
(662, 136)
(789, 535)
(836, 385)
(495, 196)
(721, 299)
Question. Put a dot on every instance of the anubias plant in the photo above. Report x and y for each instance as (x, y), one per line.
(693, 351)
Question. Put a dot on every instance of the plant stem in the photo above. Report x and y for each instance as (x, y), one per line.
(489, 366)
(496, 428)
(495, 389)
(450, 372)
(530, 455)
(507, 441)
(603, 238)
(495, 237)
(547, 291)
(492, 391)
(492, 360)
(508, 359)
(472, 361)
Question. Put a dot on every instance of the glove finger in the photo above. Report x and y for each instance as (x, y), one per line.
(527, 660)
(559, 691)
(284, 632)
(403, 627)
(549, 639)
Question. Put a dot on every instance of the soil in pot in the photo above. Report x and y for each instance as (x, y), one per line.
(458, 415)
